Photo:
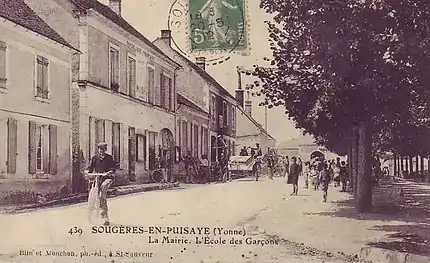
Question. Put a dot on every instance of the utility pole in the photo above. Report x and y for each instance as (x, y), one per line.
(265, 118)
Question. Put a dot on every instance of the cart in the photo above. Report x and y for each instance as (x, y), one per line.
(241, 166)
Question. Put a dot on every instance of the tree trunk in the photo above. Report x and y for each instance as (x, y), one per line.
(428, 169)
(354, 161)
(402, 166)
(411, 166)
(350, 162)
(399, 169)
(406, 165)
(422, 174)
(417, 168)
(395, 165)
(364, 178)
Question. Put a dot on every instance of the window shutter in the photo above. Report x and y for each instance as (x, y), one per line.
(32, 147)
(132, 149)
(2, 64)
(45, 151)
(133, 78)
(52, 149)
(45, 74)
(12, 126)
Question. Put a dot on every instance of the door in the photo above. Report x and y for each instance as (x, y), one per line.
(132, 154)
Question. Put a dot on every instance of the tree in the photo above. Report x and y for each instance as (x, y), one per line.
(341, 64)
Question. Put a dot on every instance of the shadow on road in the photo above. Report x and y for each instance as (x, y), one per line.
(406, 220)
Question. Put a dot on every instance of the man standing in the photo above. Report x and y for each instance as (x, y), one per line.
(103, 163)
(293, 176)
(343, 176)
(204, 169)
(325, 179)
(163, 167)
(286, 166)
(189, 165)
(243, 151)
(270, 163)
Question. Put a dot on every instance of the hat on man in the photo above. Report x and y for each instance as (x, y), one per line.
(102, 145)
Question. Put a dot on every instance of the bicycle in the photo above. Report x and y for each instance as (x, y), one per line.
(93, 194)
(157, 176)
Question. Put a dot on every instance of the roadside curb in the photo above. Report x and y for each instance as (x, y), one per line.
(380, 255)
(80, 198)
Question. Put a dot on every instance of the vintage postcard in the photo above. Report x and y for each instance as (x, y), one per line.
(214, 131)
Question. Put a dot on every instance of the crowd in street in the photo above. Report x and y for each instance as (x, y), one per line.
(318, 173)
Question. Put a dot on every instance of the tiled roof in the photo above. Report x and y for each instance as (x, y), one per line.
(202, 73)
(19, 13)
(107, 12)
(182, 100)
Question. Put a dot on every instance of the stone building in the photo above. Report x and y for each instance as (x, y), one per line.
(192, 124)
(35, 107)
(305, 148)
(249, 132)
(206, 122)
(126, 86)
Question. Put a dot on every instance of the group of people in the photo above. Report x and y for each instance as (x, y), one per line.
(317, 172)
(320, 173)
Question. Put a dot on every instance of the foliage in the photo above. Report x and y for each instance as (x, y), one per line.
(342, 63)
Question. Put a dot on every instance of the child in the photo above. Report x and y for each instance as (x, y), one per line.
(314, 177)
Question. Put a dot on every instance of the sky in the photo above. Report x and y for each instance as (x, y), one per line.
(151, 16)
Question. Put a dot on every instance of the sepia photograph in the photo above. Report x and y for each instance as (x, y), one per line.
(215, 131)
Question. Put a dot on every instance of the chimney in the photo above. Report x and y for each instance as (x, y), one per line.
(248, 106)
(166, 36)
(239, 96)
(201, 62)
(239, 91)
(115, 5)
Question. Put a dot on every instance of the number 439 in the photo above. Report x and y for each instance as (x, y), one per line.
(75, 230)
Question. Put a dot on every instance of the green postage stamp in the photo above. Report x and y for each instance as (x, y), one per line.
(217, 25)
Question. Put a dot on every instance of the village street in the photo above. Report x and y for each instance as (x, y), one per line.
(238, 205)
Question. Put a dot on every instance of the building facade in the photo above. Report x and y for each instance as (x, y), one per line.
(35, 107)
(192, 123)
(250, 134)
(305, 148)
(126, 88)
(222, 109)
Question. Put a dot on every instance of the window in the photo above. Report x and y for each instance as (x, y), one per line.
(141, 90)
(152, 150)
(100, 131)
(3, 78)
(166, 96)
(213, 109)
(42, 77)
(39, 151)
(12, 143)
(184, 137)
(114, 68)
(141, 148)
(170, 95)
(151, 91)
(225, 113)
(42, 148)
(131, 76)
(196, 140)
(163, 83)
(233, 118)
(116, 141)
